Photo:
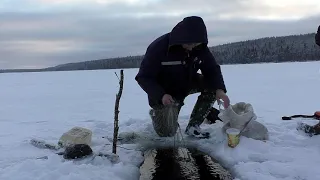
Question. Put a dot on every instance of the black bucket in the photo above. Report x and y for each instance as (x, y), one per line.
(181, 163)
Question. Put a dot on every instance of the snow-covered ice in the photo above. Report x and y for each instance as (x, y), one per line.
(45, 105)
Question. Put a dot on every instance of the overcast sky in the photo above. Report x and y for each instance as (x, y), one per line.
(42, 33)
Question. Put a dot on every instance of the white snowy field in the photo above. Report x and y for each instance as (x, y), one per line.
(45, 105)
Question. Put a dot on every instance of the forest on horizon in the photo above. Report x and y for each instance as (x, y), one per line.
(293, 48)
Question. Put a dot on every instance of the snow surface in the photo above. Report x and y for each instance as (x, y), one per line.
(45, 105)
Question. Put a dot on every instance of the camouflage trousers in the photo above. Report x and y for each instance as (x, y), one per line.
(165, 118)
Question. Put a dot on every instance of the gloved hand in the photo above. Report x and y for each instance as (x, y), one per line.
(167, 99)
(220, 94)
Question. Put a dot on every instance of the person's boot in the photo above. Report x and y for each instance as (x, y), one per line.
(199, 113)
(195, 131)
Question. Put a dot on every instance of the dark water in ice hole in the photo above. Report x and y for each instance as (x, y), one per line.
(175, 164)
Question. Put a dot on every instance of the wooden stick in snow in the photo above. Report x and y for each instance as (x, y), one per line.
(116, 114)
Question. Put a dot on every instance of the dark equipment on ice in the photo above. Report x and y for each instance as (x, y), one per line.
(308, 129)
(71, 152)
(316, 115)
(77, 151)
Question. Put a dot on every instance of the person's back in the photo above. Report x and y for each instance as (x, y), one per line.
(317, 37)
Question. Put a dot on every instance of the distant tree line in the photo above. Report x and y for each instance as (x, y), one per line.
(264, 50)
(112, 63)
(271, 49)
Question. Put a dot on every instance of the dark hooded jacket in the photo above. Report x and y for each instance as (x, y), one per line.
(317, 37)
(167, 68)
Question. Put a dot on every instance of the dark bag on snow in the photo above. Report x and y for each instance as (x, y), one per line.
(77, 151)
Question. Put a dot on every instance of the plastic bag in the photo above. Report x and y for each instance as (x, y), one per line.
(237, 115)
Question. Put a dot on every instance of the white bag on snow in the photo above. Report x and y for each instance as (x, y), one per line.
(237, 115)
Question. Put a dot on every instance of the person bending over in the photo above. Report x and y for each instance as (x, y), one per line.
(168, 73)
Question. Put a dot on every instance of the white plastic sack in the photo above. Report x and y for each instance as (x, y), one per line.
(237, 115)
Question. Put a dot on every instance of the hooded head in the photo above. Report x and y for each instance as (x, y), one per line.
(190, 30)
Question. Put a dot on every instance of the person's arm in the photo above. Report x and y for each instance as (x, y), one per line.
(317, 37)
(211, 70)
(146, 77)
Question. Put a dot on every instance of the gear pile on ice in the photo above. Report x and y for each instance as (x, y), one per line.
(75, 144)
(308, 129)
(241, 116)
(70, 152)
